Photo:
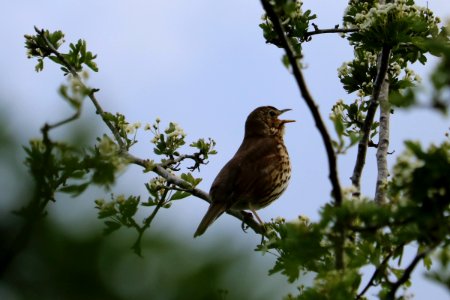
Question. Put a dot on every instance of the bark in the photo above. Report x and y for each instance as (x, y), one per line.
(383, 143)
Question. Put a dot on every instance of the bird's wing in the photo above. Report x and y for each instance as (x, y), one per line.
(242, 175)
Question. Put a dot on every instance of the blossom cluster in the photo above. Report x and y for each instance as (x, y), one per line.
(131, 128)
(384, 14)
(364, 64)
(109, 151)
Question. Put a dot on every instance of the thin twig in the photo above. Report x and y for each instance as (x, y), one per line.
(375, 274)
(406, 274)
(332, 163)
(176, 161)
(330, 30)
(383, 64)
(47, 127)
(91, 95)
(147, 223)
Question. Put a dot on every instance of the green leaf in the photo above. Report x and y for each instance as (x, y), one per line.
(74, 189)
(414, 147)
(339, 127)
(79, 174)
(111, 226)
(40, 65)
(107, 211)
(107, 116)
(191, 179)
(179, 195)
(129, 208)
(286, 62)
(92, 65)
(150, 202)
(427, 262)
(188, 177)
(406, 99)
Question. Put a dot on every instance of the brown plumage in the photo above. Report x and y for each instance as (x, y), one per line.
(257, 174)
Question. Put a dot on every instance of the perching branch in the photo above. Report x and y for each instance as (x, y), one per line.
(175, 180)
(383, 63)
(332, 162)
(383, 144)
(159, 169)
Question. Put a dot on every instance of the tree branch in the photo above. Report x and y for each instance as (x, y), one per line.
(172, 179)
(91, 95)
(158, 168)
(406, 274)
(330, 30)
(383, 63)
(331, 155)
(147, 223)
(35, 210)
(375, 274)
(47, 127)
(383, 144)
(278, 26)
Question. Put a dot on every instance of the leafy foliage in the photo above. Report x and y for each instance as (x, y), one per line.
(60, 167)
(46, 44)
(376, 234)
(364, 233)
(296, 23)
(417, 212)
(348, 121)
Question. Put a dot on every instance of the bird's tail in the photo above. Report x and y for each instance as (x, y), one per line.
(214, 211)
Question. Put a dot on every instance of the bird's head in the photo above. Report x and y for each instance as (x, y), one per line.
(264, 121)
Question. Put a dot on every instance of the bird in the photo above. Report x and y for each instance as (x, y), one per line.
(257, 174)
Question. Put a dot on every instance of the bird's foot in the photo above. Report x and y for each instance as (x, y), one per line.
(247, 217)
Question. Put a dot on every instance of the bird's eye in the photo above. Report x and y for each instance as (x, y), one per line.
(272, 113)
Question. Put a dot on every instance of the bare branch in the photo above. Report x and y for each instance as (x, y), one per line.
(383, 63)
(330, 30)
(332, 163)
(383, 144)
(47, 127)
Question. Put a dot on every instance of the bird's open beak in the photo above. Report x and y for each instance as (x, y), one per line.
(282, 111)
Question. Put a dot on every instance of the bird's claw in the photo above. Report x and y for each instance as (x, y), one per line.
(244, 227)
(247, 217)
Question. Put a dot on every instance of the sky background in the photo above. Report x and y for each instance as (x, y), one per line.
(204, 65)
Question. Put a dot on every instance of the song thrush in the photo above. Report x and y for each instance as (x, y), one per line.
(257, 174)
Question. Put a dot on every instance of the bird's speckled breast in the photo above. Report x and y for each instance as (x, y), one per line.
(281, 177)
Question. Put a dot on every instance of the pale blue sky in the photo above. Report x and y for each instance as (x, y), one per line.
(205, 65)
